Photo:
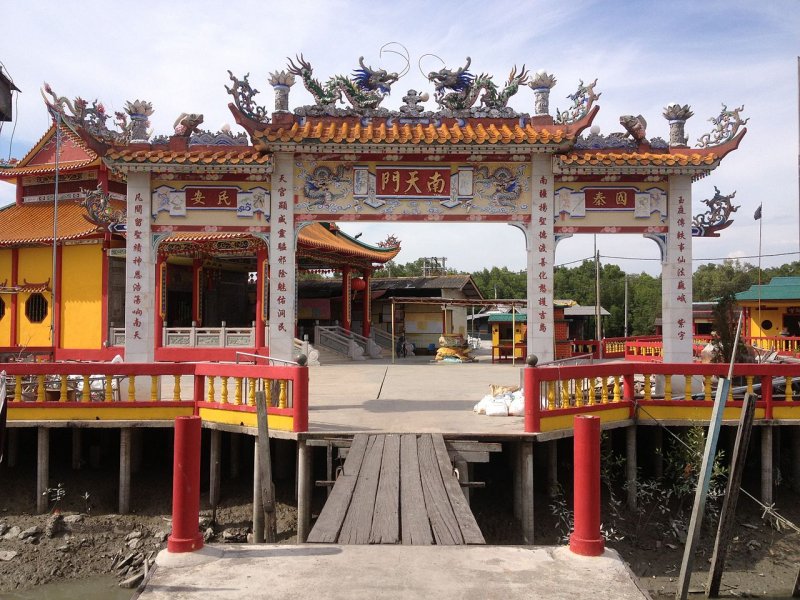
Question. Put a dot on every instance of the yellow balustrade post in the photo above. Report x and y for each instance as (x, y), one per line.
(17, 388)
(789, 390)
(211, 393)
(579, 392)
(730, 394)
(282, 394)
(648, 393)
(224, 391)
(64, 393)
(604, 390)
(616, 388)
(551, 395)
(153, 388)
(40, 395)
(592, 398)
(86, 394)
(707, 387)
(251, 391)
(176, 393)
(109, 397)
(564, 393)
(131, 388)
(687, 388)
(668, 387)
(237, 399)
(268, 391)
(749, 380)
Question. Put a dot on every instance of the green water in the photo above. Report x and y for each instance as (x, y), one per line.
(96, 588)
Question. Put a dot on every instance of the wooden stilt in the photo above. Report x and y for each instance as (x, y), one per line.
(766, 465)
(630, 466)
(304, 484)
(215, 465)
(258, 503)
(518, 482)
(552, 468)
(526, 476)
(76, 448)
(13, 447)
(463, 476)
(236, 441)
(795, 457)
(124, 470)
(42, 468)
(658, 453)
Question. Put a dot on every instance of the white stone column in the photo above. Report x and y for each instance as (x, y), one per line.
(676, 273)
(540, 247)
(140, 273)
(282, 308)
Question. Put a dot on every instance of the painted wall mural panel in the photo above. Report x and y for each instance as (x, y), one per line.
(201, 203)
(412, 191)
(610, 208)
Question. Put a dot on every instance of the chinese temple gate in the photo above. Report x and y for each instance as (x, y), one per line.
(347, 158)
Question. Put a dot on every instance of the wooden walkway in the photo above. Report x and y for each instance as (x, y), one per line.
(397, 489)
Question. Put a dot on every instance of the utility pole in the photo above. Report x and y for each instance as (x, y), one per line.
(598, 330)
(626, 305)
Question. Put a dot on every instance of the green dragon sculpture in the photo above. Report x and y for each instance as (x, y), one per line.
(466, 88)
(365, 90)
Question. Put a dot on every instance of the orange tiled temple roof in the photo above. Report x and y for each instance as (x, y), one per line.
(216, 156)
(32, 223)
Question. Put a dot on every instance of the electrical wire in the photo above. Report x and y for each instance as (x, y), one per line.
(702, 259)
(16, 108)
(768, 509)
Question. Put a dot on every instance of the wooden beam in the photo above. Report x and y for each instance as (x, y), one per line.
(265, 471)
(215, 469)
(358, 521)
(470, 531)
(304, 489)
(631, 466)
(125, 470)
(415, 524)
(42, 468)
(728, 514)
(386, 518)
(525, 476)
(446, 530)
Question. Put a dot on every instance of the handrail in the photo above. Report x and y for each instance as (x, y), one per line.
(270, 358)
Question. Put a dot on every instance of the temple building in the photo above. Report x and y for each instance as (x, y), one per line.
(188, 246)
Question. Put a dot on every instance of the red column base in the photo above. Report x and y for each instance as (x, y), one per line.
(586, 547)
(184, 544)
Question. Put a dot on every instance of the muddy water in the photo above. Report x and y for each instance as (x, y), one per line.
(96, 588)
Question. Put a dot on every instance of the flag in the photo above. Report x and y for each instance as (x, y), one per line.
(757, 214)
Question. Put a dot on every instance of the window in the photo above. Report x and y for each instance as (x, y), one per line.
(36, 308)
(766, 324)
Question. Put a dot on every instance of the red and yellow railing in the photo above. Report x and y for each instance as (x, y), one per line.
(652, 391)
(151, 392)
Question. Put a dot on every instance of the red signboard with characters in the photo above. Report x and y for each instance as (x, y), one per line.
(609, 199)
(407, 182)
(210, 197)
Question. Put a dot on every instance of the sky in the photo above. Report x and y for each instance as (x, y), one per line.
(644, 55)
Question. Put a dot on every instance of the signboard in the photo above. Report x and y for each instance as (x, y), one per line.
(412, 182)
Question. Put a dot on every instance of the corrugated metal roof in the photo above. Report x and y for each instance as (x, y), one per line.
(779, 288)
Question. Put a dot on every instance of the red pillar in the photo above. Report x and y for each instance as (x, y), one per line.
(161, 293)
(262, 279)
(586, 538)
(300, 400)
(104, 291)
(532, 398)
(58, 302)
(185, 536)
(197, 291)
(346, 306)
(366, 319)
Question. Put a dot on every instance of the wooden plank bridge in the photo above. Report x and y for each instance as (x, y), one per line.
(397, 489)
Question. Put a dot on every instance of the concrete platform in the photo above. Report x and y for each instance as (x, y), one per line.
(344, 572)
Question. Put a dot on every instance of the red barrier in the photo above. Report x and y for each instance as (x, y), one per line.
(586, 538)
(185, 536)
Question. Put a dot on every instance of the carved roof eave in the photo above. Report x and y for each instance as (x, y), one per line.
(156, 167)
(257, 132)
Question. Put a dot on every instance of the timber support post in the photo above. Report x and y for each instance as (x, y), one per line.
(658, 451)
(767, 486)
(631, 482)
(526, 480)
(124, 470)
(76, 448)
(236, 443)
(258, 501)
(13, 446)
(42, 468)
(552, 468)
(215, 469)
(304, 484)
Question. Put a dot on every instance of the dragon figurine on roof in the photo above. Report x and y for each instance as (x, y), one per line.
(364, 90)
(465, 88)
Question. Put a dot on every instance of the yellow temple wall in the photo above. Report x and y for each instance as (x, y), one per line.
(35, 266)
(82, 297)
(5, 275)
(773, 312)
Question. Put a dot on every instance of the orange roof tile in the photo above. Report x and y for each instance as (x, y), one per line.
(75, 154)
(346, 132)
(200, 157)
(638, 159)
(33, 223)
(318, 236)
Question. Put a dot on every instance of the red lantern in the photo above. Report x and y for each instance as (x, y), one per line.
(358, 284)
